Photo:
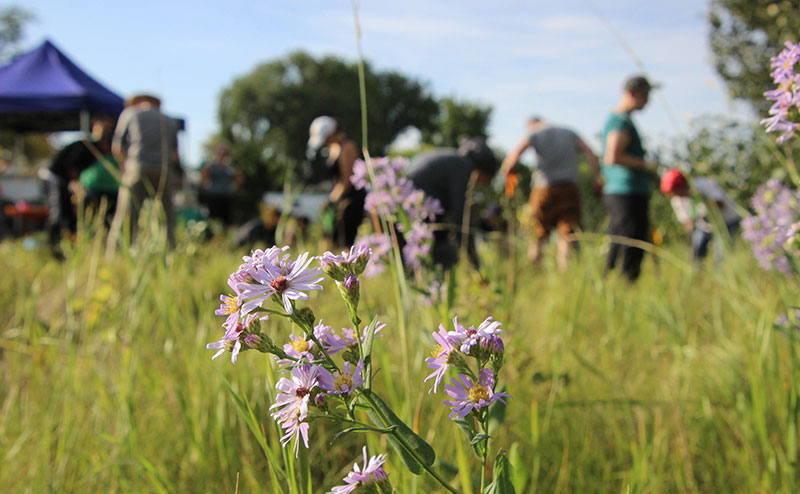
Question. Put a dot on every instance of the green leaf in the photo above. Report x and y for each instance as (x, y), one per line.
(501, 478)
(468, 426)
(519, 475)
(252, 423)
(403, 439)
(367, 349)
(479, 438)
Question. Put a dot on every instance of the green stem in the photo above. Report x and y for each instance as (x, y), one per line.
(485, 430)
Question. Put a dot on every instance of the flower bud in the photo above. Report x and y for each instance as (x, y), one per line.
(332, 267)
(306, 316)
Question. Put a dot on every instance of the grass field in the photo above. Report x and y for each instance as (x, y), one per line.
(677, 384)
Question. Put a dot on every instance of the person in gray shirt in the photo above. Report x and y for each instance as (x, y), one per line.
(448, 175)
(555, 198)
(145, 145)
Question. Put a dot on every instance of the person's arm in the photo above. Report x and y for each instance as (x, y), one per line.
(616, 143)
(512, 158)
(347, 157)
(120, 139)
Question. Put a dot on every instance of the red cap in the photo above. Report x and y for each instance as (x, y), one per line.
(672, 180)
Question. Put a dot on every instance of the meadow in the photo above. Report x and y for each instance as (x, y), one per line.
(677, 384)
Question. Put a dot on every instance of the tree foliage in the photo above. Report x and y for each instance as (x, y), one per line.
(459, 119)
(12, 27)
(266, 113)
(744, 35)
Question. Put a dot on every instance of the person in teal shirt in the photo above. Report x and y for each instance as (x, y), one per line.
(627, 177)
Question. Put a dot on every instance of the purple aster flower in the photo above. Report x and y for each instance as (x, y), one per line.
(350, 334)
(232, 339)
(330, 341)
(380, 244)
(294, 428)
(231, 304)
(772, 230)
(287, 279)
(787, 95)
(470, 337)
(343, 382)
(298, 348)
(371, 472)
(443, 356)
(295, 393)
(468, 396)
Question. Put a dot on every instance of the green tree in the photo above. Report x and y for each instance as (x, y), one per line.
(459, 119)
(744, 35)
(12, 27)
(12, 30)
(266, 113)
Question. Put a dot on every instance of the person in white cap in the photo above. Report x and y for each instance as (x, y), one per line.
(325, 133)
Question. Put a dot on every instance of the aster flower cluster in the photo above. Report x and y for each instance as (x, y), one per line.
(394, 197)
(774, 229)
(789, 320)
(784, 112)
(470, 391)
(369, 478)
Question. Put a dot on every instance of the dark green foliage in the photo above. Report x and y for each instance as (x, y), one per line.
(744, 35)
(458, 119)
(266, 113)
(12, 27)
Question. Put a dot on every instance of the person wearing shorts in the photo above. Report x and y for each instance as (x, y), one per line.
(555, 198)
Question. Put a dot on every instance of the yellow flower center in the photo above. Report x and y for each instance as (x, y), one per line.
(300, 345)
(436, 351)
(231, 305)
(343, 381)
(478, 393)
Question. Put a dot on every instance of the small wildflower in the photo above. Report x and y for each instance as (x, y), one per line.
(342, 382)
(232, 339)
(442, 357)
(286, 279)
(372, 472)
(295, 393)
(468, 396)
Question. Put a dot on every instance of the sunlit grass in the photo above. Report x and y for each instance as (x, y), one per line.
(676, 384)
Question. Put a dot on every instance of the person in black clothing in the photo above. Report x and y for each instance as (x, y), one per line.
(448, 175)
(67, 166)
(326, 134)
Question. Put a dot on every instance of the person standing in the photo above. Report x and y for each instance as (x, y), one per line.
(555, 197)
(65, 168)
(219, 180)
(692, 206)
(627, 177)
(449, 175)
(325, 133)
(145, 145)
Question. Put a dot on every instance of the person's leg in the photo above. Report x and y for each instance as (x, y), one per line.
(700, 240)
(129, 200)
(638, 229)
(567, 205)
(615, 207)
(541, 223)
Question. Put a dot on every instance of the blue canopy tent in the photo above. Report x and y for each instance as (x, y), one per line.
(44, 91)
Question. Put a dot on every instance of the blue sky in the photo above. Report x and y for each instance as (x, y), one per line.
(560, 60)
